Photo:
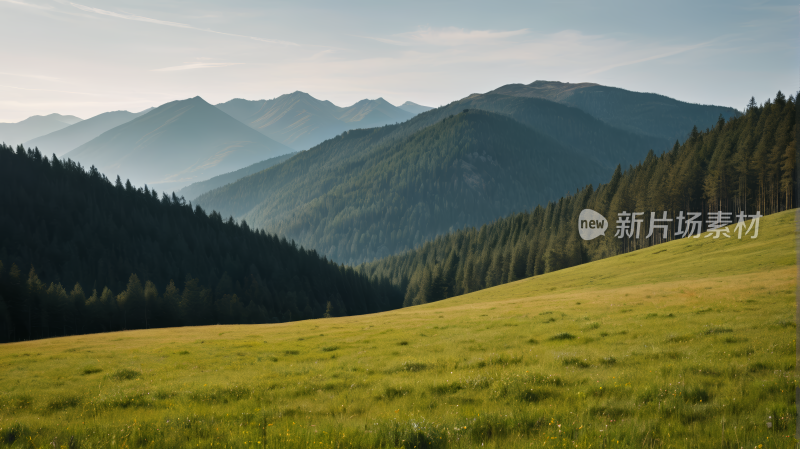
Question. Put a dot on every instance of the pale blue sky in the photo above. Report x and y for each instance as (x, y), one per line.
(87, 57)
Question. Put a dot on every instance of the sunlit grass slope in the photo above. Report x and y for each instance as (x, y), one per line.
(686, 344)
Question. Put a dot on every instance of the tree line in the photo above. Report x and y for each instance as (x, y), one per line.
(747, 163)
(82, 254)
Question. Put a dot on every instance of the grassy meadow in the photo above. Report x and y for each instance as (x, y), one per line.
(689, 344)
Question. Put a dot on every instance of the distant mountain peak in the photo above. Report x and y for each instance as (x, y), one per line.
(414, 108)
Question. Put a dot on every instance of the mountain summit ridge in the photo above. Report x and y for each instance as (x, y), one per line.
(301, 121)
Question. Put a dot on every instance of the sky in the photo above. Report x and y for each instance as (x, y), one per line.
(87, 57)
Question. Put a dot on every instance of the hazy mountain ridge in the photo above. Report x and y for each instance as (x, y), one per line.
(67, 139)
(414, 108)
(301, 121)
(176, 144)
(35, 126)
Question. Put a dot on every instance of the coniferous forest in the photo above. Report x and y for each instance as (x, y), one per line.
(81, 254)
(745, 164)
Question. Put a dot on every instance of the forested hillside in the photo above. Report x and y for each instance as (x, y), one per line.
(745, 164)
(80, 254)
(463, 171)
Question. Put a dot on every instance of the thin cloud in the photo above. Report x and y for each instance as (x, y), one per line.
(137, 18)
(199, 65)
(448, 37)
(52, 90)
(388, 41)
(451, 36)
(668, 53)
(38, 77)
(29, 5)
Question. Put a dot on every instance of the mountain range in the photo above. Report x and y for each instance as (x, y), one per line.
(297, 119)
(352, 199)
(360, 194)
(300, 121)
(175, 144)
(31, 127)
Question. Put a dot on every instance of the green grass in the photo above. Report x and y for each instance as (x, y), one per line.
(688, 344)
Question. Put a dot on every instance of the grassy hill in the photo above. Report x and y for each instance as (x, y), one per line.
(687, 344)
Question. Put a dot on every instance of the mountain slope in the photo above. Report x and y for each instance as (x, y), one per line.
(301, 121)
(32, 127)
(644, 113)
(196, 189)
(414, 108)
(176, 144)
(606, 145)
(464, 171)
(67, 139)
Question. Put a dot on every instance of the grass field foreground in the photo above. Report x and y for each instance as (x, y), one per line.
(685, 344)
